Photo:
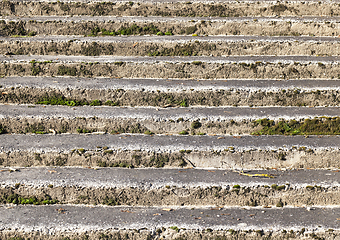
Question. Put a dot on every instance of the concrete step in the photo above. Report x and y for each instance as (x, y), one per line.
(231, 67)
(195, 120)
(154, 222)
(170, 45)
(228, 152)
(169, 92)
(111, 25)
(171, 187)
(171, 8)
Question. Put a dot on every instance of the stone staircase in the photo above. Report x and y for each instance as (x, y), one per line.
(169, 120)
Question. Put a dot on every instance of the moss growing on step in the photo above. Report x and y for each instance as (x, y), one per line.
(2, 129)
(315, 126)
(17, 199)
(131, 30)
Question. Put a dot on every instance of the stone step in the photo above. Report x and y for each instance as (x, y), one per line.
(169, 92)
(127, 150)
(170, 45)
(170, 187)
(195, 121)
(154, 222)
(111, 25)
(231, 67)
(171, 8)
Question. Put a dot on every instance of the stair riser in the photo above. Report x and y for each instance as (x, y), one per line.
(174, 196)
(228, 234)
(173, 48)
(170, 9)
(229, 159)
(221, 96)
(276, 27)
(180, 70)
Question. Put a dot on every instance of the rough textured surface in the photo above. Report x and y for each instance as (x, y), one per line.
(257, 67)
(171, 8)
(249, 152)
(168, 233)
(151, 187)
(83, 25)
(195, 121)
(82, 218)
(170, 45)
(173, 92)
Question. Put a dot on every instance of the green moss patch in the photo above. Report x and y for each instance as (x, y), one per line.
(315, 126)
(132, 30)
(17, 199)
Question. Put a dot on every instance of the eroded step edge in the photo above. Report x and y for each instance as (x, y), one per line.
(77, 218)
(169, 92)
(257, 67)
(228, 152)
(170, 45)
(87, 25)
(194, 121)
(169, 187)
(171, 8)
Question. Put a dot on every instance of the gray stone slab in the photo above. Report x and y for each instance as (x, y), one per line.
(159, 178)
(160, 143)
(166, 114)
(84, 218)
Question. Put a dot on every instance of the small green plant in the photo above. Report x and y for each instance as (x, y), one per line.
(237, 186)
(81, 150)
(2, 130)
(196, 124)
(197, 63)
(279, 204)
(184, 103)
(183, 132)
(148, 132)
(96, 103)
(175, 228)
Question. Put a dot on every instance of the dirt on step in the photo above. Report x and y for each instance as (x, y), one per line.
(252, 27)
(189, 9)
(302, 157)
(175, 234)
(200, 70)
(173, 196)
(194, 97)
(173, 48)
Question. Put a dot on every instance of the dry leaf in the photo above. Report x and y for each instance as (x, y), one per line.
(267, 207)
(210, 171)
(126, 211)
(167, 209)
(221, 138)
(60, 210)
(216, 208)
(51, 171)
(157, 214)
(237, 137)
(198, 217)
(252, 215)
(4, 93)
